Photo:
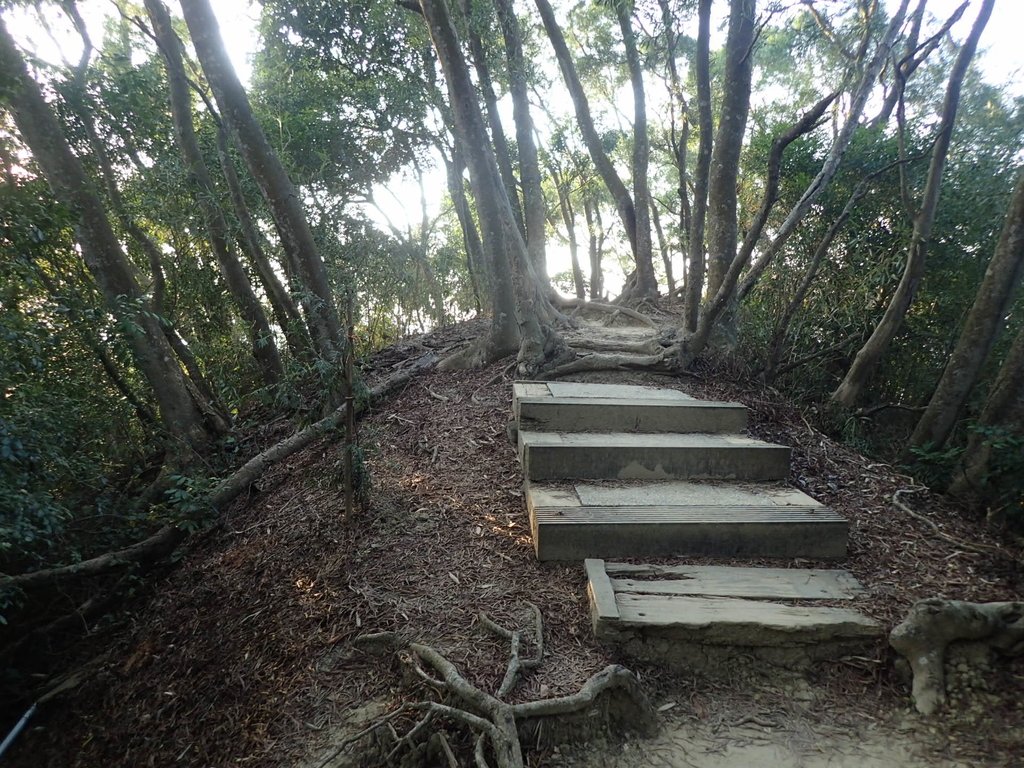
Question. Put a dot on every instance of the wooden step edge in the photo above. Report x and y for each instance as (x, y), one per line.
(600, 594)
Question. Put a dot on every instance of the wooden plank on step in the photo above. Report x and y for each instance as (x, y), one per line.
(756, 583)
(724, 620)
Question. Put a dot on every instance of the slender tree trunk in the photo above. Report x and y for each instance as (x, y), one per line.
(534, 207)
(666, 252)
(101, 250)
(286, 313)
(281, 195)
(200, 388)
(478, 266)
(1003, 408)
(849, 390)
(723, 233)
(592, 139)
(264, 348)
(679, 140)
(569, 219)
(981, 328)
(596, 239)
(702, 73)
(646, 282)
(502, 155)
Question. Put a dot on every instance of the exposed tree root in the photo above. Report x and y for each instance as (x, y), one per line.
(607, 363)
(649, 347)
(933, 624)
(497, 724)
(613, 310)
(478, 353)
(161, 544)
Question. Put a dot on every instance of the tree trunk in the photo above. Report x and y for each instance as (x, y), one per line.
(101, 250)
(1004, 407)
(981, 328)
(679, 141)
(702, 73)
(569, 219)
(596, 240)
(725, 158)
(849, 390)
(286, 313)
(501, 236)
(281, 195)
(264, 348)
(477, 265)
(646, 282)
(605, 169)
(499, 141)
(529, 163)
(666, 252)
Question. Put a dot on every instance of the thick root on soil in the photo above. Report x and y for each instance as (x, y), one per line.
(609, 362)
(933, 624)
(498, 726)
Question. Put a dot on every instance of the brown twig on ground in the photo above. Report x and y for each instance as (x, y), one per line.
(979, 549)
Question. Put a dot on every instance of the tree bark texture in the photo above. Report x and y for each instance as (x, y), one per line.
(473, 10)
(1004, 407)
(595, 244)
(725, 158)
(180, 416)
(857, 377)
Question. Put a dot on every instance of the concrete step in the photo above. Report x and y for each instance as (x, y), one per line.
(671, 624)
(569, 406)
(574, 522)
(649, 456)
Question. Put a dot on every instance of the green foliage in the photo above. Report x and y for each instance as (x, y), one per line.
(1005, 480)
(188, 502)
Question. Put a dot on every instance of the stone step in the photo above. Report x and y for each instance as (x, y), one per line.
(675, 626)
(681, 518)
(575, 407)
(649, 456)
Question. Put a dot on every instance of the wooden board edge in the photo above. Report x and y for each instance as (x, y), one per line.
(600, 593)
